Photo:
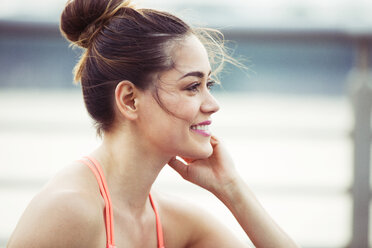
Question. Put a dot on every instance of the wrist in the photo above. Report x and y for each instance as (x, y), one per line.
(232, 190)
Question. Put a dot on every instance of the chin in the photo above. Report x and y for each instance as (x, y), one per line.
(201, 153)
(210, 151)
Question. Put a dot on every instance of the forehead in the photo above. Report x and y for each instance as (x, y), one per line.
(188, 55)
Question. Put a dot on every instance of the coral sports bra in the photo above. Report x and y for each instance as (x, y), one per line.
(109, 220)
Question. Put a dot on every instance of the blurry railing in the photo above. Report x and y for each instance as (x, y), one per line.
(361, 96)
(360, 89)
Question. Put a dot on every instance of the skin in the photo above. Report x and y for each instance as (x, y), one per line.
(68, 212)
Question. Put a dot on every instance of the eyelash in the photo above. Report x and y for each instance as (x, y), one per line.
(195, 87)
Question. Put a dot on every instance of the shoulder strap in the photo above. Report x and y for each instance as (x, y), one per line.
(109, 219)
(159, 228)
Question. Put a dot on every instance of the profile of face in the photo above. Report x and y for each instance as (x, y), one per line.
(184, 92)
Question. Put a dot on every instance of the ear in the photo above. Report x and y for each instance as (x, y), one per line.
(126, 99)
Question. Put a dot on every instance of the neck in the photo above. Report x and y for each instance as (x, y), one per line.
(130, 169)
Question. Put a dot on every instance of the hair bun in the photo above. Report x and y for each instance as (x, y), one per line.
(81, 20)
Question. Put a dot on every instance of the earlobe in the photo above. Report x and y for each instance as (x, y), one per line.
(126, 99)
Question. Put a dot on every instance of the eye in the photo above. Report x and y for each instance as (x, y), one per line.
(210, 84)
(194, 87)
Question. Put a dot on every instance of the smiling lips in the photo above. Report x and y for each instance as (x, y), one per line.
(202, 128)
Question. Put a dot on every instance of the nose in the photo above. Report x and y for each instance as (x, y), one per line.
(209, 104)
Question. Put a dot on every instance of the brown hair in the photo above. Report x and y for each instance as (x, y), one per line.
(124, 43)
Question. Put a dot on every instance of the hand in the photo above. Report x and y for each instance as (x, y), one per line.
(213, 173)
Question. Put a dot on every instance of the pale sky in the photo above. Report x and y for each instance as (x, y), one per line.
(236, 13)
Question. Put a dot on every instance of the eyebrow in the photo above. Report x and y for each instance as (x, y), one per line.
(198, 74)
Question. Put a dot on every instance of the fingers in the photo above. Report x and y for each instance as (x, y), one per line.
(178, 166)
(188, 160)
(214, 141)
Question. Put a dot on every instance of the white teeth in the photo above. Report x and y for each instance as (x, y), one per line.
(200, 127)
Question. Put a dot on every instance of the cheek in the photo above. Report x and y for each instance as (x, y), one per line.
(182, 140)
(184, 108)
(182, 114)
(170, 132)
(168, 128)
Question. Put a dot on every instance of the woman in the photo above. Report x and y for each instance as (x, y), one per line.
(145, 78)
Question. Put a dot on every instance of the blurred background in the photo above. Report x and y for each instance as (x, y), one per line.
(297, 124)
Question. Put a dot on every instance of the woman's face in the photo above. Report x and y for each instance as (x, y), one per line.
(184, 93)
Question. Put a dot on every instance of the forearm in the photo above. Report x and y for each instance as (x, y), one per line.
(257, 224)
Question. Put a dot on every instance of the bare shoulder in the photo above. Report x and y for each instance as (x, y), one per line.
(63, 214)
(194, 223)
